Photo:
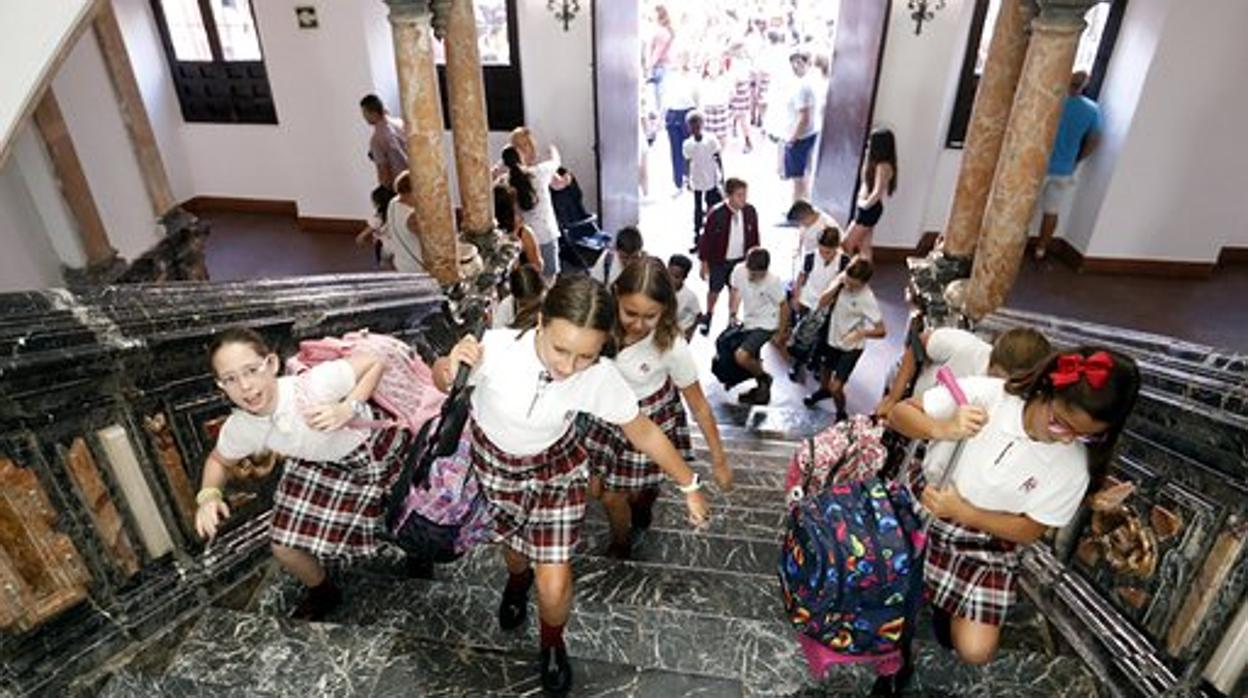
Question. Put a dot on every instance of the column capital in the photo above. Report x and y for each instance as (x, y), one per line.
(409, 11)
(1063, 14)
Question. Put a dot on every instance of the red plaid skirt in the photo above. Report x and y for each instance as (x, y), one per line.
(538, 501)
(742, 96)
(968, 573)
(335, 510)
(718, 120)
(624, 468)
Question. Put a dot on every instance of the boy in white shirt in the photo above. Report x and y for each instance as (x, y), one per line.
(762, 296)
(705, 168)
(855, 318)
(688, 308)
(811, 223)
(628, 246)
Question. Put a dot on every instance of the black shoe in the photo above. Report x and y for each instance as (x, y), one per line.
(620, 550)
(942, 628)
(556, 671)
(514, 607)
(705, 321)
(318, 602)
(815, 398)
(841, 415)
(419, 568)
(643, 515)
(797, 374)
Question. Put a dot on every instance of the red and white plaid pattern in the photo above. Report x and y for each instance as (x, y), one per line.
(624, 468)
(968, 573)
(335, 510)
(538, 501)
(742, 96)
(717, 120)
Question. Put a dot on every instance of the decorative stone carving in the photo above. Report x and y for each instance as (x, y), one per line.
(170, 460)
(1219, 564)
(41, 572)
(994, 97)
(124, 464)
(107, 522)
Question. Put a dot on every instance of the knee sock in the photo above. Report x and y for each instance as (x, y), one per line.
(552, 635)
(518, 584)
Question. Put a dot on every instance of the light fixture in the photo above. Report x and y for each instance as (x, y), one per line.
(565, 10)
(924, 11)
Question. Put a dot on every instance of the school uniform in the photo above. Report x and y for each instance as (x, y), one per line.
(655, 378)
(688, 308)
(970, 573)
(529, 462)
(808, 239)
(332, 495)
(760, 307)
(608, 268)
(701, 152)
(853, 310)
(504, 313)
(964, 353)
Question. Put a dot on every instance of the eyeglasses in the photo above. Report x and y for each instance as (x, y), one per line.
(231, 381)
(1060, 427)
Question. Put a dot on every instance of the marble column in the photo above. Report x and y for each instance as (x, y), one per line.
(133, 111)
(986, 130)
(466, 87)
(1025, 151)
(422, 115)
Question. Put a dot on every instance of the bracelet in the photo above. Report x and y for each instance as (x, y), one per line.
(694, 485)
(209, 494)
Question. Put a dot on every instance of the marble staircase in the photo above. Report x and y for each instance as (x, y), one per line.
(692, 614)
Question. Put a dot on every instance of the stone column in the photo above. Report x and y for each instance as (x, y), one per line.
(466, 89)
(986, 130)
(422, 115)
(133, 111)
(1025, 152)
(73, 182)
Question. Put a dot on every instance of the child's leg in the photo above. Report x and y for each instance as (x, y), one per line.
(302, 565)
(514, 606)
(697, 214)
(837, 388)
(750, 362)
(619, 515)
(975, 642)
(554, 600)
(864, 243)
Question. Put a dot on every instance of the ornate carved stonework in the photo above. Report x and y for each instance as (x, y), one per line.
(105, 519)
(171, 464)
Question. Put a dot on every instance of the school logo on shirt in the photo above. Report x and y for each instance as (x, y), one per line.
(1029, 484)
(644, 368)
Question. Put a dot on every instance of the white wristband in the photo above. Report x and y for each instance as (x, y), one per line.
(694, 485)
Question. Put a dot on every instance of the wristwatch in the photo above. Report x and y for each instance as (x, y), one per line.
(694, 485)
(358, 409)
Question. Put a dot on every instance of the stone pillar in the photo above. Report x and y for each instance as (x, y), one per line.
(133, 111)
(466, 86)
(986, 130)
(73, 182)
(1025, 152)
(422, 115)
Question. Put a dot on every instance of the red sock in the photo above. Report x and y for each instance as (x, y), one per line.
(552, 635)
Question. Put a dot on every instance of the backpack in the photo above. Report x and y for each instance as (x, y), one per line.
(850, 566)
(436, 510)
(406, 388)
(808, 333)
(724, 366)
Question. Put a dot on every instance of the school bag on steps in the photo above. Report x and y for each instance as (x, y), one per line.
(850, 565)
(724, 366)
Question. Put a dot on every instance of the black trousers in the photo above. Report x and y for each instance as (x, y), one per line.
(703, 201)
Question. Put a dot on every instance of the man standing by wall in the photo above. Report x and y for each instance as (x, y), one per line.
(387, 147)
(1078, 135)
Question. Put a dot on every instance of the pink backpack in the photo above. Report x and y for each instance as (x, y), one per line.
(406, 388)
(812, 462)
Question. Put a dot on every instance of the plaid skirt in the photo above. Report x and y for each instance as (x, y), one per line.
(718, 120)
(623, 468)
(335, 510)
(762, 82)
(538, 501)
(742, 96)
(968, 573)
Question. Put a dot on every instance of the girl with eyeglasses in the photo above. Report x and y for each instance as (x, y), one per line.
(330, 501)
(1035, 446)
(528, 386)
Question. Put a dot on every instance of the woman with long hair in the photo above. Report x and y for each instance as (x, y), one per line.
(877, 181)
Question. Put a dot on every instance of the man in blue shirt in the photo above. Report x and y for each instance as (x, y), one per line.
(1078, 134)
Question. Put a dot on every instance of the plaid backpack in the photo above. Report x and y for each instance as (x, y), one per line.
(850, 566)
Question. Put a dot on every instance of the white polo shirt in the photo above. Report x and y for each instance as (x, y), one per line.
(964, 353)
(541, 218)
(736, 234)
(524, 412)
(760, 302)
(809, 235)
(852, 311)
(703, 171)
(286, 431)
(646, 369)
(688, 307)
(1001, 467)
(819, 279)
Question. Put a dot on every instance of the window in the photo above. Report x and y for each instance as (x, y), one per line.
(498, 44)
(1093, 53)
(214, 53)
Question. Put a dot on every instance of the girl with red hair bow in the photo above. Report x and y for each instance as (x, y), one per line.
(1035, 444)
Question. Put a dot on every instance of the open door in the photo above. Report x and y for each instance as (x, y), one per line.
(617, 81)
(856, 56)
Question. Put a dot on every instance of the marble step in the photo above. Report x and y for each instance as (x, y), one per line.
(670, 514)
(134, 685)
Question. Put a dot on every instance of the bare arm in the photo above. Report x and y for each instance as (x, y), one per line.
(212, 509)
(803, 122)
(367, 370)
(1091, 142)
(909, 418)
(905, 373)
(646, 437)
(948, 504)
(705, 418)
(734, 302)
(883, 175)
(529, 245)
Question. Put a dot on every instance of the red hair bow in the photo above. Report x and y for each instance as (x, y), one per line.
(1072, 367)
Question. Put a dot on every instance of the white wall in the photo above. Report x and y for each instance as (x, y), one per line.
(918, 80)
(29, 261)
(33, 34)
(54, 220)
(104, 148)
(1177, 191)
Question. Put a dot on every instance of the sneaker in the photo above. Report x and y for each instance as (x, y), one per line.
(705, 321)
(841, 415)
(318, 602)
(556, 671)
(748, 397)
(514, 607)
(815, 398)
